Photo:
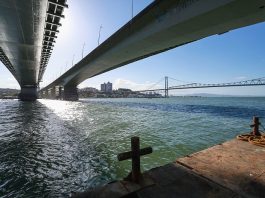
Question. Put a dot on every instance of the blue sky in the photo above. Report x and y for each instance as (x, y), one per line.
(234, 56)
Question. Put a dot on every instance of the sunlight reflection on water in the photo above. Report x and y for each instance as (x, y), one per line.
(50, 148)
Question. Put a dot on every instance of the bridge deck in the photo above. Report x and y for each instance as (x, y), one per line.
(232, 169)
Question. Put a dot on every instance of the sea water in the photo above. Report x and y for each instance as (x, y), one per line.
(50, 148)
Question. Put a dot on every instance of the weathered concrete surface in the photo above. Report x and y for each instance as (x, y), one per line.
(28, 94)
(70, 93)
(237, 165)
(28, 30)
(233, 169)
(171, 180)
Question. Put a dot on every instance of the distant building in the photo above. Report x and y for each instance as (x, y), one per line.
(124, 90)
(106, 87)
(103, 87)
(109, 87)
(90, 89)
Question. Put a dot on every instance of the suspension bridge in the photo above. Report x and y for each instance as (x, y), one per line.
(194, 85)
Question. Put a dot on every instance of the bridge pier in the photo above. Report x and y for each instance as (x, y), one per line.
(70, 94)
(28, 94)
(53, 93)
(40, 95)
(49, 94)
(60, 93)
(43, 94)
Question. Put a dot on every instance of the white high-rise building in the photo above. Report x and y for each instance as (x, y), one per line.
(106, 87)
(109, 87)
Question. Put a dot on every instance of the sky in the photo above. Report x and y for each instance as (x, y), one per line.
(233, 56)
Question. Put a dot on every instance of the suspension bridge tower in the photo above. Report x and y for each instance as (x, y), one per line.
(166, 86)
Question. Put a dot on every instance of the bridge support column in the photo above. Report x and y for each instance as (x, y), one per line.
(60, 93)
(28, 94)
(49, 94)
(166, 87)
(43, 94)
(53, 93)
(70, 94)
(40, 95)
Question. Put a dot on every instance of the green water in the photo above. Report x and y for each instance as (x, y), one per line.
(52, 148)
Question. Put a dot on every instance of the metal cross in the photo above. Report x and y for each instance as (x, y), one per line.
(135, 154)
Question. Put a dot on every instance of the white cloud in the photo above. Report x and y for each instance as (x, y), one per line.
(123, 83)
(82, 85)
(9, 82)
(12, 85)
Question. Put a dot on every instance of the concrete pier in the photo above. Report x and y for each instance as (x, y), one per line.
(232, 169)
(53, 93)
(70, 94)
(28, 94)
(60, 93)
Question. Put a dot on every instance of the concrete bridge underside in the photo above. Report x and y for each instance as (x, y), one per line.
(161, 26)
(27, 32)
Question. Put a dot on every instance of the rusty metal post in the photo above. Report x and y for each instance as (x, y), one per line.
(136, 169)
(256, 126)
(134, 154)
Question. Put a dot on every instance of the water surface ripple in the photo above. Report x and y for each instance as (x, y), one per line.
(52, 148)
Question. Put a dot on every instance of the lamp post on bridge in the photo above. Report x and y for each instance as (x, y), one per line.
(83, 50)
(99, 33)
(73, 60)
(65, 67)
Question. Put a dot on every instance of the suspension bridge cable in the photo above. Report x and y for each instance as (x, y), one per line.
(162, 79)
(154, 84)
(252, 82)
(179, 80)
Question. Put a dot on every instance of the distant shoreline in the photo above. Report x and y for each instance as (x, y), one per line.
(7, 93)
